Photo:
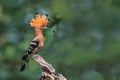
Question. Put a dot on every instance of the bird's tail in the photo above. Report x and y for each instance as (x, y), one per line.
(25, 61)
(32, 46)
(23, 65)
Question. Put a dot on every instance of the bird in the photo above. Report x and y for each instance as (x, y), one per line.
(39, 23)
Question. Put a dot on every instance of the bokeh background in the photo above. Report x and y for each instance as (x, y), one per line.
(85, 46)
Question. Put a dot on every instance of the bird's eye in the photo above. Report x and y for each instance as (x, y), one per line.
(46, 15)
(36, 13)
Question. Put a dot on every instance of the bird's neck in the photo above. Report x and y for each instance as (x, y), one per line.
(38, 32)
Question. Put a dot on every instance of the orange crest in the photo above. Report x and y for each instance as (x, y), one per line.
(39, 21)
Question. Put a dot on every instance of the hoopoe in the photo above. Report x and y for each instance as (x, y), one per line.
(40, 23)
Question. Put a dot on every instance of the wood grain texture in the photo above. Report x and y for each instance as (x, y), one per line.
(48, 72)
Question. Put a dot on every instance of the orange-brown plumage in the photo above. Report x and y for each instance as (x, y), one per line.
(39, 23)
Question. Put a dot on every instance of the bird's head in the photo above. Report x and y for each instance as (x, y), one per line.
(40, 21)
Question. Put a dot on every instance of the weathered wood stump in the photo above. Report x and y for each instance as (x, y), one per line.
(48, 72)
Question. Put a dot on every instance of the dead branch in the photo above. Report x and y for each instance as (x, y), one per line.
(48, 72)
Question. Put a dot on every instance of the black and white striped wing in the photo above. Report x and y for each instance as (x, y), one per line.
(32, 46)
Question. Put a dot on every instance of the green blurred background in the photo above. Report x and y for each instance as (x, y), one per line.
(86, 45)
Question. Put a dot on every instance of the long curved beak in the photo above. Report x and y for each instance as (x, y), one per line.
(48, 29)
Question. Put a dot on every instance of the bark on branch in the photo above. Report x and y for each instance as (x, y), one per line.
(48, 72)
